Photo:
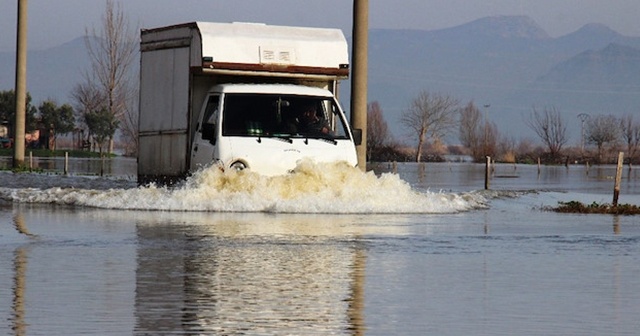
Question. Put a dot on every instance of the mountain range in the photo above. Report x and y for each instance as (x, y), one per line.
(508, 63)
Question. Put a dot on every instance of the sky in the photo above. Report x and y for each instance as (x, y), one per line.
(52, 23)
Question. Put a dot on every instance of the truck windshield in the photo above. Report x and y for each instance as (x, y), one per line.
(271, 115)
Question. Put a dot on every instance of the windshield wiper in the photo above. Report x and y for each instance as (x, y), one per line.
(328, 139)
(321, 138)
(282, 138)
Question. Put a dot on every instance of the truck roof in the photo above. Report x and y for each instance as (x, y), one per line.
(272, 88)
(255, 47)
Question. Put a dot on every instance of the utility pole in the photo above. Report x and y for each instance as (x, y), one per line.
(21, 86)
(359, 76)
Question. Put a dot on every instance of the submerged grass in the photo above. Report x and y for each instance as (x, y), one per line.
(596, 208)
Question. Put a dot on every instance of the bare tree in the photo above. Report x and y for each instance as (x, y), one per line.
(507, 149)
(112, 50)
(377, 129)
(525, 146)
(429, 117)
(470, 128)
(527, 150)
(630, 132)
(480, 137)
(550, 128)
(129, 127)
(490, 139)
(601, 130)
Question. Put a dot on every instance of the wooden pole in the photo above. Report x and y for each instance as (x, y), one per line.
(21, 86)
(359, 77)
(66, 163)
(487, 173)
(616, 187)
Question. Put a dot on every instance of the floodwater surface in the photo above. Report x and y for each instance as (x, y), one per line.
(328, 250)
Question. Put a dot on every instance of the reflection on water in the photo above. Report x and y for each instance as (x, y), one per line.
(19, 277)
(194, 274)
(66, 279)
(20, 225)
(509, 269)
(228, 275)
(19, 271)
(616, 224)
(85, 271)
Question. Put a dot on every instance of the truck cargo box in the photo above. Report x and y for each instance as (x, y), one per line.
(180, 63)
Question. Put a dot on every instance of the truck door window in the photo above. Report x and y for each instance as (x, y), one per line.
(210, 119)
(250, 114)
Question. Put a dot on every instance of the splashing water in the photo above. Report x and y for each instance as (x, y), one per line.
(311, 188)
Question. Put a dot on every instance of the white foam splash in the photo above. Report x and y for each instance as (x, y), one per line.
(311, 188)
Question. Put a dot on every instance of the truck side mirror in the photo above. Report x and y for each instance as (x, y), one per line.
(357, 136)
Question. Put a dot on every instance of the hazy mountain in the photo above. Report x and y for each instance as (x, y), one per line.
(615, 67)
(51, 73)
(503, 27)
(507, 62)
(594, 36)
(603, 81)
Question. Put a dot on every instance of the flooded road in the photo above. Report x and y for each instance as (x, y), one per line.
(318, 262)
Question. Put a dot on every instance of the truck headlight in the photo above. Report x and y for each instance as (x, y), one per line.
(238, 166)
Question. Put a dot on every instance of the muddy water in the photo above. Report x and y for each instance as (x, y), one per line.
(331, 253)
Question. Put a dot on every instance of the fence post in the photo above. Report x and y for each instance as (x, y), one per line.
(66, 163)
(487, 173)
(102, 165)
(616, 187)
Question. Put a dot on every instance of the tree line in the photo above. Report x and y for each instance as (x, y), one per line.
(102, 103)
(105, 101)
(48, 118)
(432, 117)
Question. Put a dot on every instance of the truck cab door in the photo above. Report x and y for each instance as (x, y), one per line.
(207, 133)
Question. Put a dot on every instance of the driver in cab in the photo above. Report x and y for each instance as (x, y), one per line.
(308, 121)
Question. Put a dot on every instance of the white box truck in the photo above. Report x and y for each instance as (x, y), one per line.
(240, 96)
